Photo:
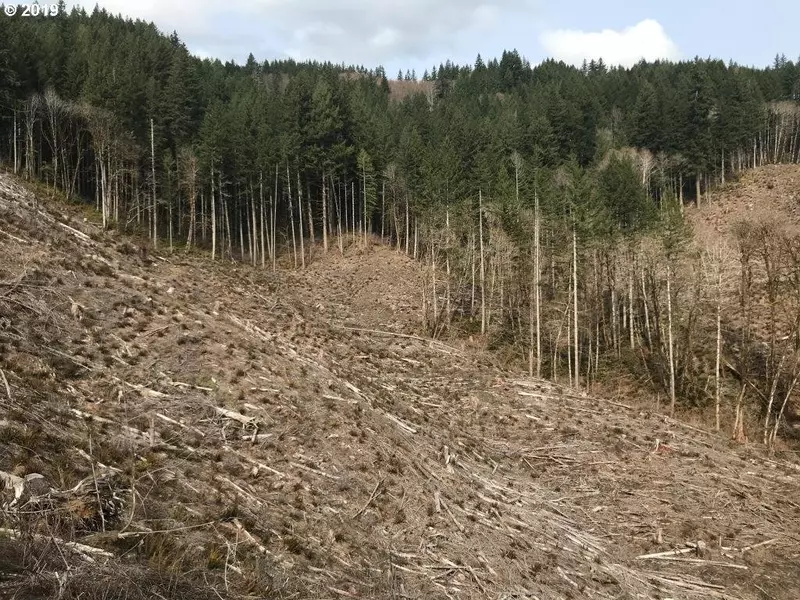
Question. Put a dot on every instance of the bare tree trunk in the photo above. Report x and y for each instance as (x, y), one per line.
(300, 222)
(435, 298)
(472, 270)
(575, 302)
(646, 313)
(531, 331)
(775, 380)
(213, 217)
(569, 336)
(103, 185)
(137, 200)
(169, 214)
(274, 236)
(202, 214)
(397, 229)
(364, 175)
(178, 196)
(697, 183)
(719, 347)
(191, 179)
(614, 310)
(408, 227)
(383, 210)
(310, 213)
(16, 162)
(778, 130)
(241, 235)
(338, 203)
(670, 341)
(345, 210)
(31, 107)
(786, 397)
(54, 105)
(98, 188)
(631, 322)
(264, 245)
(254, 229)
(223, 232)
(492, 280)
(537, 281)
(353, 205)
(564, 318)
(596, 348)
(291, 214)
(447, 267)
(153, 175)
(119, 176)
(324, 215)
(738, 433)
(425, 310)
(416, 238)
(483, 264)
(227, 219)
(589, 333)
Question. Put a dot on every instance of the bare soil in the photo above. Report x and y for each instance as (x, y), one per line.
(291, 435)
(756, 216)
(771, 191)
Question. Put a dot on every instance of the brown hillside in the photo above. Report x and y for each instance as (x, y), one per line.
(288, 436)
(401, 88)
(771, 191)
(755, 221)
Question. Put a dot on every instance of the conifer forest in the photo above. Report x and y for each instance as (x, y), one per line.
(545, 203)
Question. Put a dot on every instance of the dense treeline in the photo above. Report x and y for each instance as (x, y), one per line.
(529, 192)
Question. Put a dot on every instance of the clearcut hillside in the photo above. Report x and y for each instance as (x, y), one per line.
(210, 430)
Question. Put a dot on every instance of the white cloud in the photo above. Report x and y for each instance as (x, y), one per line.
(486, 16)
(182, 15)
(365, 32)
(385, 37)
(645, 40)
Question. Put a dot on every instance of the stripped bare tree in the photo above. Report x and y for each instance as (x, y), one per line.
(56, 112)
(189, 168)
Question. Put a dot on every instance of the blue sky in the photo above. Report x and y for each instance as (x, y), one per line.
(416, 34)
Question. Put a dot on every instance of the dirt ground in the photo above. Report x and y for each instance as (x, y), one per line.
(755, 216)
(288, 435)
(769, 191)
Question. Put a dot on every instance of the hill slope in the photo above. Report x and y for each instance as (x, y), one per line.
(747, 233)
(270, 435)
(769, 192)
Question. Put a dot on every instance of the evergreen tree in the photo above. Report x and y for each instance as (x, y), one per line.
(696, 124)
(169, 140)
(648, 123)
(7, 75)
(626, 200)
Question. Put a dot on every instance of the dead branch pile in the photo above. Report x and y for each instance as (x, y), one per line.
(277, 452)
